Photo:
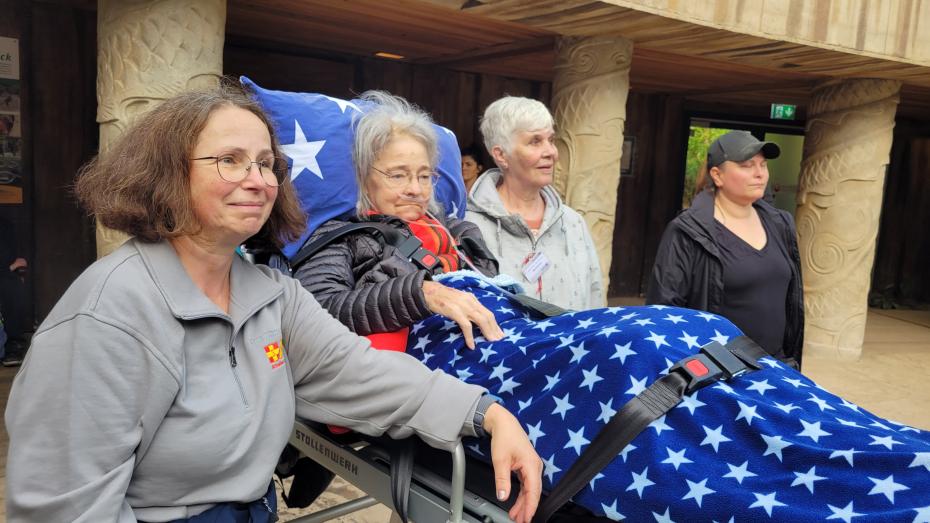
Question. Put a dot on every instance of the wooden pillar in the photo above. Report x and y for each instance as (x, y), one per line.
(592, 80)
(148, 51)
(846, 153)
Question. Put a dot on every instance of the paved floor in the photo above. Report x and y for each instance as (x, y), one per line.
(890, 379)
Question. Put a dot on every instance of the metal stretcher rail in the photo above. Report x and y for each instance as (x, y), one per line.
(433, 498)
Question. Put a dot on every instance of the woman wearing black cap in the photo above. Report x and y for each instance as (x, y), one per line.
(733, 254)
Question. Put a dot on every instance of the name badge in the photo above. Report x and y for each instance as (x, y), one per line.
(536, 266)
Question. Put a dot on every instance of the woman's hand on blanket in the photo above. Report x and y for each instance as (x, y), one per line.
(462, 308)
(511, 451)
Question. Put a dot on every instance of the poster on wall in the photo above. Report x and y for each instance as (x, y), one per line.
(11, 135)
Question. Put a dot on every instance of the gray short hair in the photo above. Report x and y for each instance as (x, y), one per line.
(387, 117)
(509, 115)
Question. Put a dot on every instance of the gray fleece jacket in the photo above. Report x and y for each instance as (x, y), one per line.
(573, 280)
(140, 400)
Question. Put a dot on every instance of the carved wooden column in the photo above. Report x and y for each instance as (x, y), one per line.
(150, 50)
(592, 80)
(846, 152)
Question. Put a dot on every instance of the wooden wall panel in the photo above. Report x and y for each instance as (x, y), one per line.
(289, 72)
(64, 134)
(899, 275)
(649, 199)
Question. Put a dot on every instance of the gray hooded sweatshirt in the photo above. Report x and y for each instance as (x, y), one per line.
(573, 280)
(141, 400)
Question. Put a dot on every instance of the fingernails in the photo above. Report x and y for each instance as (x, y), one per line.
(501, 495)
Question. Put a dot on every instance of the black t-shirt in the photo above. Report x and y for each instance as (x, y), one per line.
(755, 285)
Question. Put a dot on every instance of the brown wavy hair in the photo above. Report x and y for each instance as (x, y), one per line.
(141, 185)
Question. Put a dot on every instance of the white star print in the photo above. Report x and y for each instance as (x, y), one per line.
(748, 413)
(499, 372)
(566, 341)
(676, 459)
(739, 473)
(760, 386)
(807, 479)
(303, 153)
(550, 469)
(643, 322)
(689, 339)
(767, 501)
(551, 381)
(846, 513)
(660, 425)
(638, 386)
(887, 487)
(774, 445)
(714, 437)
(562, 406)
(796, 383)
(659, 340)
(921, 459)
(508, 385)
(813, 431)
(887, 442)
(343, 104)
(578, 352)
(675, 319)
(848, 454)
(590, 378)
(622, 352)
(786, 408)
(543, 325)
(626, 450)
(607, 331)
(820, 403)
(697, 491)
(720, 338)
(534, 432)
(663, 518)
(707, 317)
(584, 324)
(691, 402)
(611, 511)
(607, 411)
(576, 440)
(640, 482)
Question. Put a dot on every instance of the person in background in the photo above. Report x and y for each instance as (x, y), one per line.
(471, 166)
(164, 384)
(734, 254)
(537, 239)
(13, 300)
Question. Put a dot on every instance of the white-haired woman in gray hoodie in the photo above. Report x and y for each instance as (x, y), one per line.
(537, 239)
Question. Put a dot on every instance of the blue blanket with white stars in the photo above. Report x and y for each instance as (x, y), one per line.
(768, 446)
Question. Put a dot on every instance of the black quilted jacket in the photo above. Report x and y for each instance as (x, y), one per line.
(371, 289)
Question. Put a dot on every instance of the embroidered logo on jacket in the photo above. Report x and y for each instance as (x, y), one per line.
(275, 354)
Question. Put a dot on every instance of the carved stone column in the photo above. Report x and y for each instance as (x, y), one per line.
(147, 51)
(592, 79)
(846, 152)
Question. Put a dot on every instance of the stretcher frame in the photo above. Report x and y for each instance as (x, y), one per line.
(433, 498)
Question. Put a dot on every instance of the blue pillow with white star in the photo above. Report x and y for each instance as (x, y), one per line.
(316, 136)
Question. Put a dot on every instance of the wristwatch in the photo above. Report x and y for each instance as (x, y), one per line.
(483, 404)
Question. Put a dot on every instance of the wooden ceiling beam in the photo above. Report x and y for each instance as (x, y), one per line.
(493, 52)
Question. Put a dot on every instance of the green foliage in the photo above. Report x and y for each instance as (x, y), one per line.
(698, 143)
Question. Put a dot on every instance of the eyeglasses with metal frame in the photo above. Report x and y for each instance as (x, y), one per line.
(399, 179)
(234, 168)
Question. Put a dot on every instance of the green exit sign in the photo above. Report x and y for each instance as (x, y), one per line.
(783, 112)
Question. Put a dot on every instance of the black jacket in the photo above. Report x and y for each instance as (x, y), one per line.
(688, 271)
(368, 287)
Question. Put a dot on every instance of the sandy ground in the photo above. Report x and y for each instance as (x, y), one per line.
(338, 492)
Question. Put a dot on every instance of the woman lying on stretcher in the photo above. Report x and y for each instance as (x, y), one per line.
(770, 445)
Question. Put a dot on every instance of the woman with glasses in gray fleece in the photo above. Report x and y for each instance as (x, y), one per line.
(165, 382)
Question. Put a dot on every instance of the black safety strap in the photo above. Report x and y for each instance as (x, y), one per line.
(542, 308)
(402, 454)
(713, 363)
(408, 246)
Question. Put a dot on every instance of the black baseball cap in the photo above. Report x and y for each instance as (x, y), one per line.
(739, 146)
